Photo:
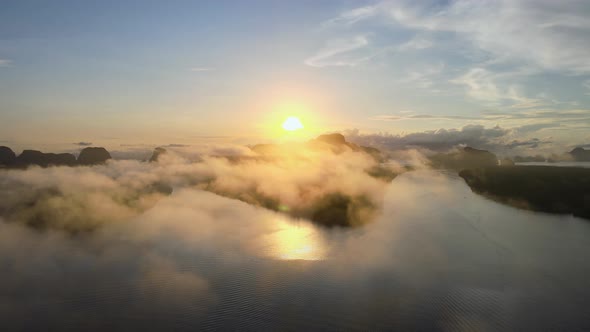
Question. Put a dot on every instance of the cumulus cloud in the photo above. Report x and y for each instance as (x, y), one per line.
(441, 139)
(496, 139)
(83, 143)
(522, 121)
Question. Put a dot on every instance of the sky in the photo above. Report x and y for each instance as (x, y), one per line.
(515, 73)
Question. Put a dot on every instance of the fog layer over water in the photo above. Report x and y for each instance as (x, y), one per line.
(438, 257)
(583, 164)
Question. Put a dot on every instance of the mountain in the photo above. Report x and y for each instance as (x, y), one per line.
(157, 153)
(61, 159)
(579, 154)
(7, 156)
(93, 156)
(465, 158)
(34, 157)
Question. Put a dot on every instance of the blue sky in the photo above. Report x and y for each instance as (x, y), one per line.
(175, 71)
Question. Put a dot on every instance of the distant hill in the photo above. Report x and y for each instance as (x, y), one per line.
(465, 158)
(157, 153)
(93, 156)
(579, 154)
(34, 157)
(88, 156)
(528, 159)
(538, 188)
(7, 156)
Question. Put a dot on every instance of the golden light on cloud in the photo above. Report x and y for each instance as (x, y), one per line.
(292, 123)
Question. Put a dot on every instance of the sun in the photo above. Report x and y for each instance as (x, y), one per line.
(292, 123)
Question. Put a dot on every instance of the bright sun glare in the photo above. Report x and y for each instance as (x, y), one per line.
(292, 123)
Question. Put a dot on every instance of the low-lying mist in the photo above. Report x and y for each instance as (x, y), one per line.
(133, 226)
(333, 188)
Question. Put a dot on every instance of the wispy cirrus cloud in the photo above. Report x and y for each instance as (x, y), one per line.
(498, 45)
(354, 15)
(571, 115)
(339, 52)
(550, 34)
(530, 128)
(423, 77)
(201, 69)
(482, 84)
(422, 117)
(581, 116)
(416, 43)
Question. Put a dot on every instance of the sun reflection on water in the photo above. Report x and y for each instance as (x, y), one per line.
(292, 241)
